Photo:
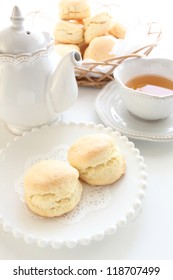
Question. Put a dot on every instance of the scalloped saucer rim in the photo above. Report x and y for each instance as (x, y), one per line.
(113, 113)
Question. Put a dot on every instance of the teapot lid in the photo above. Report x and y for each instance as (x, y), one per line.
(16, 40)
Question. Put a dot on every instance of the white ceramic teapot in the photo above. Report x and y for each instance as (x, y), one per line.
(35, 84)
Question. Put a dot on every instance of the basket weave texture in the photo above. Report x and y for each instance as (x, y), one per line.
(88, 75)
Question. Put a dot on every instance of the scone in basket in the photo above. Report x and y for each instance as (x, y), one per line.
(97, 74)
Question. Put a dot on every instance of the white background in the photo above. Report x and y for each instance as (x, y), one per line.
(151, 235)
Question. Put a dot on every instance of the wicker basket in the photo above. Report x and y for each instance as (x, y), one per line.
(88, 75)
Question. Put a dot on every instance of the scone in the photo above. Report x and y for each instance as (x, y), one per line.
(63, 49)
(74, 9)
(52, 188)
(96, 25)
(69, 32)
(118, 30)
(97, 158)
(101, 48)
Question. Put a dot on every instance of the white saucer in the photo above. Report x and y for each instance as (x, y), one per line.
(112, 112)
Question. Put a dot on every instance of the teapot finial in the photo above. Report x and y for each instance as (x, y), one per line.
(17, 18)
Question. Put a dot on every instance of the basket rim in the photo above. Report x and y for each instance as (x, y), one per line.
(88, 73)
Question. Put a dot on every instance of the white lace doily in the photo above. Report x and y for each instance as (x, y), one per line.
(93, 198)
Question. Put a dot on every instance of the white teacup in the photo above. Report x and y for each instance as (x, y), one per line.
(145, 105)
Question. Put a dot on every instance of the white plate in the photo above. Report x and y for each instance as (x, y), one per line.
(126, 194)
(112, 112)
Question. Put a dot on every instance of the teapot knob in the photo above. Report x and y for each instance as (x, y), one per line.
(17, 18)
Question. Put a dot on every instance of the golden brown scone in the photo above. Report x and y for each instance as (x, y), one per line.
(97, 158)
(118, 30)
(101, 48)
(74, 9)
(63, 49)
(52, 188)
(69, 32)
(96, 25)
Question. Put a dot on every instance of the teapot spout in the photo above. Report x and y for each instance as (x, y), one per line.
(64, 88)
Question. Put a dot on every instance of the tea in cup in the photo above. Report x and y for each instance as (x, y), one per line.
(145, 86)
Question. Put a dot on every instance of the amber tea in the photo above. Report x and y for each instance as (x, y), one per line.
(151, 84)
